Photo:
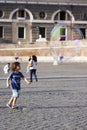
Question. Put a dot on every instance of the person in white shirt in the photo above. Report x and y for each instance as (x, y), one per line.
(6, 68)
(32, 65)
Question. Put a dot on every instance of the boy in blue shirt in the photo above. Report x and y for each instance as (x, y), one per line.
(15, 78)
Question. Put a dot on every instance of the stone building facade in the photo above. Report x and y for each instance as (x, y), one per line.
(28, 21)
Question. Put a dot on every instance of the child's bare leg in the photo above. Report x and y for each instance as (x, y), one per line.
(10, 101)
(14, 101)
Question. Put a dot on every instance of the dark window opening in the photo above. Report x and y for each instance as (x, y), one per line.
(1, 32)
(83, 32)
(42, 15)
(21, 13)
(42, 32)
(21, 32)
(62, 15)
(1, 13)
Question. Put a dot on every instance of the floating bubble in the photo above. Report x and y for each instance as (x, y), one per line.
(55, 33)
(78, 31)
(55, 37)
(58, 35)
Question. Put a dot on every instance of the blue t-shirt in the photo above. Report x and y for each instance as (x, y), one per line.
(15, 79)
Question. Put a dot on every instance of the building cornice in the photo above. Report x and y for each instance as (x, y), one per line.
(43, 21)
(47, 2)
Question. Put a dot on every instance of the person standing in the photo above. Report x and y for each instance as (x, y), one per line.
(14, 79)
(32, 66)
(6, 68)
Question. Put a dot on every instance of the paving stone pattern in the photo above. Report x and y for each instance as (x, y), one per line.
(58, 101)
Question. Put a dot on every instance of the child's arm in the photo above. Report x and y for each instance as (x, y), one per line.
(26, 81)
(8, 82)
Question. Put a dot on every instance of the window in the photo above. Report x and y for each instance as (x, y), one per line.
(42, 15)
(83, 16)
(83, 31)
(62, 34)
(21, 32)
(42, 31)
(1, 13)
(21, 13)
(1, 32)
(62, 15)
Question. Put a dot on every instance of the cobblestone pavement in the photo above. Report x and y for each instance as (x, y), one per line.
(58, 101)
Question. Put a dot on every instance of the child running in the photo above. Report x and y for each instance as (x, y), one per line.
(15, 78)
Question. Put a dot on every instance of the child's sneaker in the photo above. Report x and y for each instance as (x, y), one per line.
(8, 105)
(14, 107)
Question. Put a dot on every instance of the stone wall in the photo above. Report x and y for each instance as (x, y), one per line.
(68, 48)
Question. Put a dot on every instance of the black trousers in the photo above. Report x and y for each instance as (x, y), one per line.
(33, 73)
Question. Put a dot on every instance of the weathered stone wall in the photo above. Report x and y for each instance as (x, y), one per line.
(69, 48)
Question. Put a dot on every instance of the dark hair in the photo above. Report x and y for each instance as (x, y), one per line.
(34, 58)
(14, 65)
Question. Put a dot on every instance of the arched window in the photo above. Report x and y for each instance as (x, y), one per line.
(21, 14)
(62, 15)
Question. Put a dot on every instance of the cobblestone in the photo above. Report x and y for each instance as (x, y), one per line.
(58, 101)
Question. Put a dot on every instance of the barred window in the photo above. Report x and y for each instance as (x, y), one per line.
(20, 32)
(1, 13)
(21, 13)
